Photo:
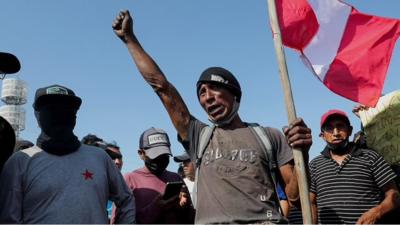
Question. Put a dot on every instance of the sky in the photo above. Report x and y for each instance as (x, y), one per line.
(71, 43)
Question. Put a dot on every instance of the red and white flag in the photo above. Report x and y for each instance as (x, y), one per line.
(347, 50)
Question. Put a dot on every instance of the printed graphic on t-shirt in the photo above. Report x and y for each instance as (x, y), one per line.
(230, 163)
(87, 175)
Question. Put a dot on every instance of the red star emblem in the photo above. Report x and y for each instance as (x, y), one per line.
(87, 175)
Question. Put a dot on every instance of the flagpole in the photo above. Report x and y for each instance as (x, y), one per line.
(291, 113)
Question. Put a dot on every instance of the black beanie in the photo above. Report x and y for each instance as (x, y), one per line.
(221, 77)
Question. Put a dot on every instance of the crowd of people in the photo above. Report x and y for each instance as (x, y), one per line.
(232, 171)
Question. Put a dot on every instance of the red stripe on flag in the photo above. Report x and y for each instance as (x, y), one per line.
(297, 21)
(359, 69)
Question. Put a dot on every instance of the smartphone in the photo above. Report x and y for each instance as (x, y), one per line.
(172, 189)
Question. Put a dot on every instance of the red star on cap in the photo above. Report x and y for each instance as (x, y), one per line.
(87, 175)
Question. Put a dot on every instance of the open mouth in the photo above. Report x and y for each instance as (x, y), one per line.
(215, 109)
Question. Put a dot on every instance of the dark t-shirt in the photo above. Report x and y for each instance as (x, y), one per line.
(234, 183)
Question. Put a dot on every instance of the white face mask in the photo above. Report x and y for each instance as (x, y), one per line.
(230, 117)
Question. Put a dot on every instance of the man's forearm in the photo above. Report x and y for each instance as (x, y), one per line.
(292, 189)
(293, 186)
(147, 67)
(169, 96)
(391, 202)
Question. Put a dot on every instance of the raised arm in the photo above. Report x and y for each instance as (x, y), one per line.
(152, 74)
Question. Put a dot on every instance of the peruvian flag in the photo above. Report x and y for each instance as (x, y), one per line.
(347, 50)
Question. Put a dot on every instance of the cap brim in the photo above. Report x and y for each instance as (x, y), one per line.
(113, 154)
(330, 116)
(9, 63)
(181, 158)
(154, 152)
(46, 99)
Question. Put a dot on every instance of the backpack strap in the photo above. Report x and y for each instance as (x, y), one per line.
(265, 143)
(204, 139)
(263, 137)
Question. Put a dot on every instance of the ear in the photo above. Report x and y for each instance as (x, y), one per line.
(142, 154)
(350, 130)
(321, 135)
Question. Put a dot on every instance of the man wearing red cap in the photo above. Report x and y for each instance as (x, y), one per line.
(234, 182)
(349, 184)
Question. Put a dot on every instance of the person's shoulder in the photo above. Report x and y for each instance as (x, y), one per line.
(173, 175)
(32, 151)
(273, 130)
(196, 122)
(135, 177)
(28, 153)
(89, 147)
(136, 172)
(317, 159)
(274, 134)
(92, 150)
(369, 152)
(22, 158)
(195, 126)
(270, 131)
(193, 119)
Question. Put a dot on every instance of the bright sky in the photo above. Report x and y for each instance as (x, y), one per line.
(72, 43)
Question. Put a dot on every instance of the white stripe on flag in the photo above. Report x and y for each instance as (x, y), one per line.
(332, 16)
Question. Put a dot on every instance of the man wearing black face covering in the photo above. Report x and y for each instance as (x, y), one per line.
(148, 183)
(7, 141)
(55, 110)
(9, 64)
(349, 184)
(59, 180)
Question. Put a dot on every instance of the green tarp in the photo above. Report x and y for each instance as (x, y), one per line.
(382, 127)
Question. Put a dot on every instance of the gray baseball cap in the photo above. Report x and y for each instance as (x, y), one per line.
(155, 142)
(182, 158)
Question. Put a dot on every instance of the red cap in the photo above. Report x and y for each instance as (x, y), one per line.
(332, 112)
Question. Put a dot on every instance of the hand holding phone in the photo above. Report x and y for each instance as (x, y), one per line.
(172, 189)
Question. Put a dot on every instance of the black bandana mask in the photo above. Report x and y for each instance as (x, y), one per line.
(57, 123)
(158, 165)
(340, 148)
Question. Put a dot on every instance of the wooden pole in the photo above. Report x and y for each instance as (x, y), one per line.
(291, 112)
